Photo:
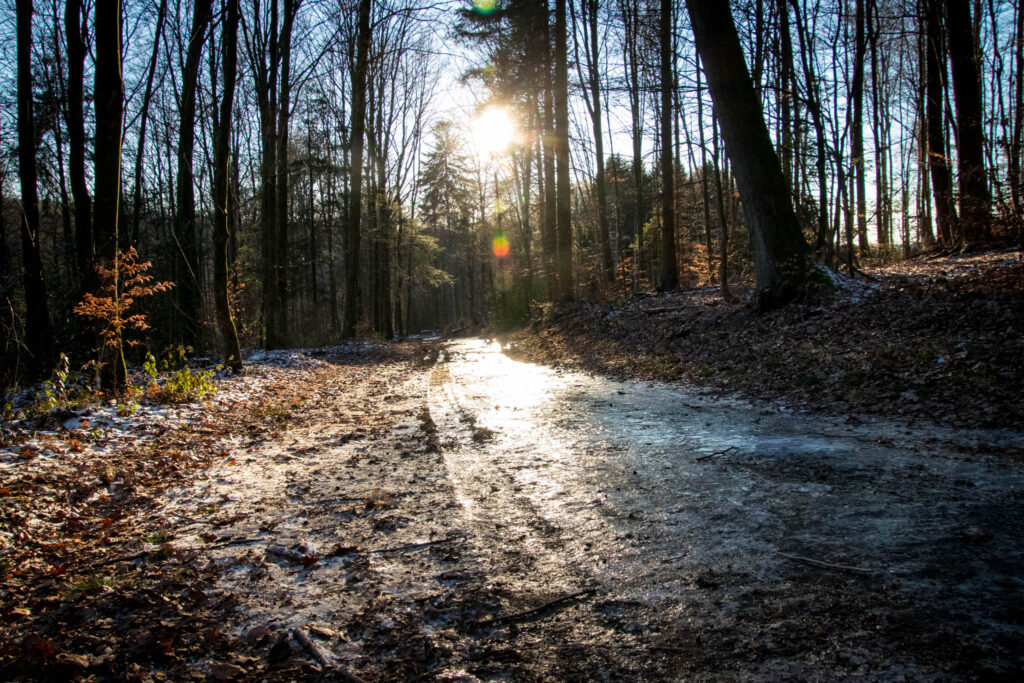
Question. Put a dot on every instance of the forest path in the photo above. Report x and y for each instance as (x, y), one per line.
(448, 513)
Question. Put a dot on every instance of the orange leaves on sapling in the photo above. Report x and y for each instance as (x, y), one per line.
(120, 287)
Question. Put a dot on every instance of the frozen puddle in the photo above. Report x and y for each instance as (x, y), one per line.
(714, 511)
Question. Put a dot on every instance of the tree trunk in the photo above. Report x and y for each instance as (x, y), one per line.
(975, 199)
(221, 198)
(108, 90)
(76, 145)
(1017, 134)
(352, 234)
(189, 286)
(723, 221)
(781, 255)
(669, 261)
(590, 8)
(280, 223)
(857, 128)
(942, 180)
(562, 183)
(144, 118)
(549, 221)
(878, 133)
(38, 334)
(786, 91)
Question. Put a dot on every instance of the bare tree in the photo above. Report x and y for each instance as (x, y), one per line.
(38, 334)
(221, 199)
(781, 255)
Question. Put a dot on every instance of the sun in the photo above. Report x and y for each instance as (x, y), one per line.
(493, 130)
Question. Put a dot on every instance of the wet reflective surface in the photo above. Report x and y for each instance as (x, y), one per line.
(723, 538)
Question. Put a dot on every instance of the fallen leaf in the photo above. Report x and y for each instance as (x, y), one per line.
(77, 660)
(225, 672)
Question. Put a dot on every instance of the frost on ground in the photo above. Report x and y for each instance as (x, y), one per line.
(439, 511)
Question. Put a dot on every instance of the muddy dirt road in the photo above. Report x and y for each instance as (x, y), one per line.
(482, 518)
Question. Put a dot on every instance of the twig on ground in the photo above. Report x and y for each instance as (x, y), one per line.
(285, 553)
(711, 455)
(563, 600)
(826, 565)
(661, 309)
(411, 546)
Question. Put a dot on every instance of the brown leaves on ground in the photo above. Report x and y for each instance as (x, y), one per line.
(94, 585)
(935, 338)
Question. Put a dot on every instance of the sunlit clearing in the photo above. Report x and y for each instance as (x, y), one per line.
(500, 245)
(493, 130)
(484, 7)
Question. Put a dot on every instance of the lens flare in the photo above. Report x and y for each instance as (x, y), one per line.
(484, 7)
(500, 245)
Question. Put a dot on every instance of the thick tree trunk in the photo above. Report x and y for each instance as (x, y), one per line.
(975, 198)
(352, 231)
(669, 261)
(221, 198)
(781, 254)
(108, 90)
(189, 290)
(562, 183)
(76, 145)
(942, 180)
(38, 334)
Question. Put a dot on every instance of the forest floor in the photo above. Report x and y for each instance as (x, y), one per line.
(436, 510)
(936, 338)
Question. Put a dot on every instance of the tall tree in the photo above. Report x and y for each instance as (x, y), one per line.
(975, 198)
(857, 125)
(147, 98)
(562, 188)
(188, 290)
(280, 222)
(73, 19)
(781, 255)
(938, 162)
(589, 12)
(221, 193)
(38, 334)
(669, 262)
(108, 89)
(352, 228)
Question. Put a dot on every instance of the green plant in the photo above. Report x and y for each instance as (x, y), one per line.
(159, 538)
(183, 383)
(54, 392)
(92, 584)
(149, 367)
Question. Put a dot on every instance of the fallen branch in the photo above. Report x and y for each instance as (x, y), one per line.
(661, 309)
(711, 455)
(826, 565)
(411, 546)
(565, 599)
(311, 647)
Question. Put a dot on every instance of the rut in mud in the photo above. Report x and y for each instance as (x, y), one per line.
(448, 513)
